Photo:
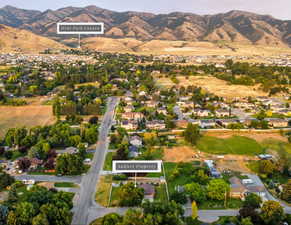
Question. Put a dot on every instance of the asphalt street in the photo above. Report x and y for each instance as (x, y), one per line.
(47, 178)
(85, 200)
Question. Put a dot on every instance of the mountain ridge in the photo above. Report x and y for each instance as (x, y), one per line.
(235, 25)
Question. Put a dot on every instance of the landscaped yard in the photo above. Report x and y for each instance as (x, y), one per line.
(108, 162)
(176, 181)
(230, 204)
(234, 145)
(65, 185)
(161, 194)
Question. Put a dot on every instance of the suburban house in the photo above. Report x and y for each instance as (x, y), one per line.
(222, 113)
(201, 112)
(129, 124)
(240, 188)
(151, 104)
(128, 108)
(237, 189)
(182, 123)
(156, 125)
(226, 122)
(274, 122)
(135, 141)
(132, 116)
(149, 191)
(162, 111)
(207, 124)
(35, 163)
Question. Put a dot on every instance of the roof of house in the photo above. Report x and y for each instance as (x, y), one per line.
(148, 189)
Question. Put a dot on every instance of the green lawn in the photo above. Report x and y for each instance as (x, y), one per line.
(230, 204)
(178, 180)
(103, 190)
(65, 185)
(108, 162)
(235, 145)
(161, 194)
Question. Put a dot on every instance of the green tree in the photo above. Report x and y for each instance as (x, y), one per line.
(40, 219)
(266, 167)
(69, 164)
(111, 219)
(5, 179)
(272, 212)
(286, 194)
(217, 189)
(130, 195)
(179, 197)
(24, 213)
(246, 221)
(196, 192)
(192, 134)
(252, 200)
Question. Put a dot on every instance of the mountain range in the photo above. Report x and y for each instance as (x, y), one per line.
(236, 26)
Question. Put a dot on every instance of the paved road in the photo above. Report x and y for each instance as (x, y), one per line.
(85, 200)
(207, 216)
(47, 178)
(269, 196)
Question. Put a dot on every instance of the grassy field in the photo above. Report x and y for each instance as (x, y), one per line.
(25, 116)
(103, 190)
(234, 145)
(65, 185)
(108, 162)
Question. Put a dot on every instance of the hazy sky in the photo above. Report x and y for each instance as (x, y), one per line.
(277, 8)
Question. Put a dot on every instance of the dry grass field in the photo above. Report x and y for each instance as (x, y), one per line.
(216, 86)
(31, 115)
(157, 47)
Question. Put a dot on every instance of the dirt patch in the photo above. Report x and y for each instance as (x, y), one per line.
(234, 163)
(259, 137)
(179, 154)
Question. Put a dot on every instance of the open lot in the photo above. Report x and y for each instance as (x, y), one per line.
(237, 145)
(212, 84)
(200, 48)
(103, 190)
(258, 136)
(28, 116)
(179, 154)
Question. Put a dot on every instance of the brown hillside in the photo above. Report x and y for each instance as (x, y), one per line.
(16, 40)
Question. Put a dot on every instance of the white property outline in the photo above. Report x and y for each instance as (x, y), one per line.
(80, 32)
(159, 163)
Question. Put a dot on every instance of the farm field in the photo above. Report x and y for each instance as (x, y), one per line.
(233, 145)
(25, 116)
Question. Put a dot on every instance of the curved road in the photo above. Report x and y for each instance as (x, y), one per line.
(85, 200)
